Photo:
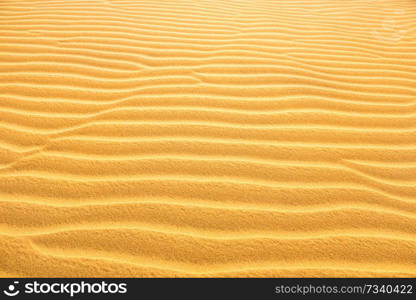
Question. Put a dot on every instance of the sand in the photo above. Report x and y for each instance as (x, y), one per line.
(207, 138)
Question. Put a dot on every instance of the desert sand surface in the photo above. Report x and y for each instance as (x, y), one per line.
(208, 138)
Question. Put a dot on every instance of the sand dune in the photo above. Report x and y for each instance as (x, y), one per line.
(208, 138)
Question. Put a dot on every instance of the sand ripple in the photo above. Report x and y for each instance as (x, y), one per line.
(207, 138)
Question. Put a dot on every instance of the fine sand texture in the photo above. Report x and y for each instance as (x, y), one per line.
(207, 138)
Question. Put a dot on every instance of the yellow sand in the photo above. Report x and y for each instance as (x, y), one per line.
(208, 138)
